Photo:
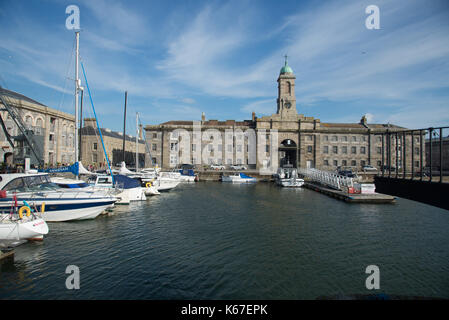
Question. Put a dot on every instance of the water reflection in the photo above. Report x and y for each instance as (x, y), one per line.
(226, 241)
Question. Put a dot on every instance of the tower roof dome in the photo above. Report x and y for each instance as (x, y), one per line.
(286, 68)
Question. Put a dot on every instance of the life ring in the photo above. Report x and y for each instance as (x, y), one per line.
(27, 209)
(148, 185)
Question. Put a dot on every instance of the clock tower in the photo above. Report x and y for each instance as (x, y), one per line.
(286, 101)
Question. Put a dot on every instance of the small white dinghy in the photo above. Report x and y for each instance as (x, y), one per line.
(24, 225)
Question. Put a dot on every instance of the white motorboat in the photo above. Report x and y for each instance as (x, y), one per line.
(238, 178)
(60, 204)
(125, 188)
(188, 175)
(31, 227)
(288, 177)
(161, 181)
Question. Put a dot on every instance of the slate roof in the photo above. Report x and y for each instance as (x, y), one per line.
(90, 131)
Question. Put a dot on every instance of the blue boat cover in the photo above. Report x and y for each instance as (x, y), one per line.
(74, 168)
(187, 172)
(244, 176)
(125, 182)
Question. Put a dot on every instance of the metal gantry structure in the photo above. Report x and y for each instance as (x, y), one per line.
(27, 133)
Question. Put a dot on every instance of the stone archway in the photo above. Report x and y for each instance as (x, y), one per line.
(8, 158)
(287, 153)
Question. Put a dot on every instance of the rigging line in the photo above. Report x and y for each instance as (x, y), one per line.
(147, 147)
(61, 101)
(96, 119)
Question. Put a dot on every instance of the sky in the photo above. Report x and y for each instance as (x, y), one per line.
(177, 59)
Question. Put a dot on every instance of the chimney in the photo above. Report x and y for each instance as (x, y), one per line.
(254, 116)
(90, 122)
(203, 117)
(140, 132)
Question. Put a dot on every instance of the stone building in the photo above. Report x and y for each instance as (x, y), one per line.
(435, 161)
(91, 149)
(283, 138)
(54, 131)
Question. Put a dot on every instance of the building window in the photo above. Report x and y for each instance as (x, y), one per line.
(363, 138)
(354, 138)
(229, 161)
(154, 135)
(154, 160)
(335, 149)
(220, 147)
(344, 150)
(353, 150)
(325, 149)
(362, 163)
(334, 138)
(416, 163)
(379, 163)
(239, 148)
(309, 149)
(326, 138)
(267, 148)
(353, 163)
(362, 150)
(344, 139)
(335, 162)
(229, 147)
(94, 158)
(309, 138)
(193, 147)
(344, 163)
(326, 162)
(239, 161)
(379, 139)
(379, 150)
(154, 147)
(95, 146)
(417, 150)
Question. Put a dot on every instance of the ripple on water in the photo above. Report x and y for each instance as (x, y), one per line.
(224, 241)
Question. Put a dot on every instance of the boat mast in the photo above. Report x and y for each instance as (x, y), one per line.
(77, 86)
(124, 126)
(137, 141)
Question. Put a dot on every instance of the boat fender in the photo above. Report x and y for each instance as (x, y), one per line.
(24, 208)
(43, 207)
(148, 185)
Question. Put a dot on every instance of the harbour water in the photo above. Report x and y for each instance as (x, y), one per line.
(213, 240)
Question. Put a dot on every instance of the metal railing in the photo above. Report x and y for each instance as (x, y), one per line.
(416, 153)
(326, 178)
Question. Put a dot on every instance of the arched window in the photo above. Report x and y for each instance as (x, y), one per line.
(71, 136)
(29, 121)
(39, 123)
(64, 134)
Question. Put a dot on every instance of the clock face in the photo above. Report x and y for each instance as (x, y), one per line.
(288, 104)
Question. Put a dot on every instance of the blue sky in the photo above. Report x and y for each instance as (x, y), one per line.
(177, 59)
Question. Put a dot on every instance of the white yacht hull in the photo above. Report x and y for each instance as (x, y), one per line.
(187, 178)
(24, 230)
(234, 179)
(290, 183)
(151, 191)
